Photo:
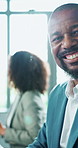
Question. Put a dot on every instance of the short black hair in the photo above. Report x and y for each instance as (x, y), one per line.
(66, 6)
(60, 8)
(27, 72)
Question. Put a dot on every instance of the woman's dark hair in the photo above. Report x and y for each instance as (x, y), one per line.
(27, 72)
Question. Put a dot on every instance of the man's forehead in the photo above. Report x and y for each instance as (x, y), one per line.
(65, 14)
(62, 18)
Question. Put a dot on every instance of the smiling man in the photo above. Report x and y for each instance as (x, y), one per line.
(61, 127)
(63, 29)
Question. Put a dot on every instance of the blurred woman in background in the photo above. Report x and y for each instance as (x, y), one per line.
(29, 75)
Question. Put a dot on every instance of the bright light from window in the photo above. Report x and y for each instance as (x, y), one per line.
(29, 32)
(38, 5)
(61, 76)
(3, 60)
(3, 5)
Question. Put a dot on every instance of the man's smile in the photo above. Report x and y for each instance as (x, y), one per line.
(72, 56)
(69, 56)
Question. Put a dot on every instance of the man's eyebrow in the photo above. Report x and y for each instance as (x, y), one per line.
(74, 26)
(55, 33)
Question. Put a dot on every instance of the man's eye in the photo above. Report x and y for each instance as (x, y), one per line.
(74, 33)
(57, 38)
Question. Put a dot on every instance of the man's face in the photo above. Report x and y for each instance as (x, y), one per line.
(64, 40)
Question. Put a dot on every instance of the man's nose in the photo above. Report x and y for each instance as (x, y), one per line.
(68, 41)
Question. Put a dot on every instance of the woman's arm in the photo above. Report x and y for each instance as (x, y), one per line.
(27, 121)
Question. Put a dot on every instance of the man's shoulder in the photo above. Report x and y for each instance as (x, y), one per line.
(58, 90)
(57, 95)
(59, 87)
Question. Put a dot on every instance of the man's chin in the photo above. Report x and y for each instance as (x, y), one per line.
(72, 73)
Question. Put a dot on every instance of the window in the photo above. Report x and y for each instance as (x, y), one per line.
(29, 32)
(3, 5)
(23, 26)
(3, 60)
(61, 75)
(19, 31)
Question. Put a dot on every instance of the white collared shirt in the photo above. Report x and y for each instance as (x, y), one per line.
(71, 109)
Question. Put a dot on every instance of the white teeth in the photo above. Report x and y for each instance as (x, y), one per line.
(72, 56)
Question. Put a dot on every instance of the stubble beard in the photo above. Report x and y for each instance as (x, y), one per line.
(72, 73)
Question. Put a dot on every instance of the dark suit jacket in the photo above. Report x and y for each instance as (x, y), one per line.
(49, 135)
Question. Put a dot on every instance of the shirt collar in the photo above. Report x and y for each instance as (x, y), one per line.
(71, 90)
